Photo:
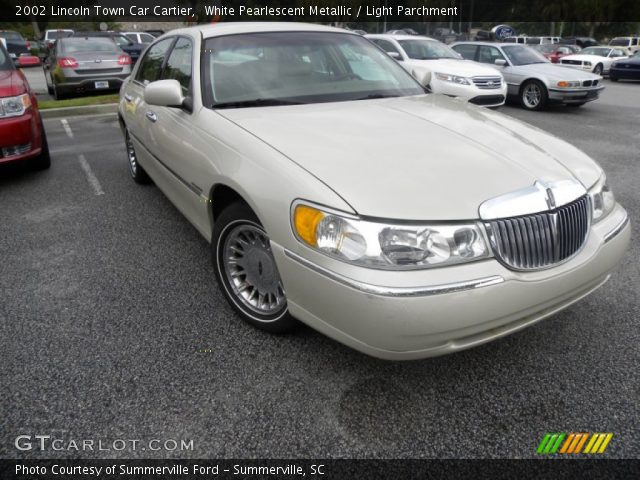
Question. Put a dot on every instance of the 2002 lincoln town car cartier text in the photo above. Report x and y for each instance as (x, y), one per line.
(335, 191)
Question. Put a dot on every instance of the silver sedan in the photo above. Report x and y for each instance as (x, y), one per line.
(334, 191)
(531, 78)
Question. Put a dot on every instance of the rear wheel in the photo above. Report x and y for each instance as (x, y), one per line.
(137, 172)
(598, 69)
(49, 86)
(246, 270)
(58, 94)
(533, 95)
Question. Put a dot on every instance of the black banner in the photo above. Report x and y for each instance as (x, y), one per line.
(318, 469)
(321, 10)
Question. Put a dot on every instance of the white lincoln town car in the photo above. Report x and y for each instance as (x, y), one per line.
(336, 192)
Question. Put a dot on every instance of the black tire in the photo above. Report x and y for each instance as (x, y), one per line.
(253, 264)
(57, 93)
(138, 173)
(598, 69)
(533, 95)
(49, 86)
(612, 78)
(42, 161)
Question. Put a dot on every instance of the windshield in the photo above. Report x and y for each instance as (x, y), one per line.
(546, 48)
(619, 42)
(81, 45)
(521, 55)
(261, 69)
(600, 51)
(11, 35)
(59, 34)
(422, 49)
(5, 60)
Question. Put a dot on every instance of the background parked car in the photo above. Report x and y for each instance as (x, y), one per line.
(82, 64)
(527, 40)
(632, 44)
(594, 59)
(19, 48)
(582, 42)
(131, 48)
(554, 52)
(626, 69)
(446, 71)
(22, 136)
(139, 37)
(531, 78)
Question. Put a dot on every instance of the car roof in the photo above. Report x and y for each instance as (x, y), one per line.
(404, 36)
(493, 44)
(231, 28)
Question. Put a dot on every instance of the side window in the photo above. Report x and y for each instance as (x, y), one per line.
(467, 51)
(617, 53)
(488, 54)
(178, 65)
(634, 42)
(146, 38)
(385, 45)
(151, 63)
(132, 37)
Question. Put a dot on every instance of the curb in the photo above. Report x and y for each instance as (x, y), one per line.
(75, 111)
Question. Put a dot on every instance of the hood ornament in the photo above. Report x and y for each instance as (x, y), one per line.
(542, 196)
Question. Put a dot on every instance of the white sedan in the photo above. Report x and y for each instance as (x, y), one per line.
(443, 70)
(594, 59)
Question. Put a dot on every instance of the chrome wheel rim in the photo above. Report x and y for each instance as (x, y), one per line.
(131, 155)
(251, 271)
(597, 70)
(532, 95)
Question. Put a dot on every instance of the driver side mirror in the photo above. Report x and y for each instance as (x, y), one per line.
(423, 76)
(395, 56)
(500, 62)
(164, 93)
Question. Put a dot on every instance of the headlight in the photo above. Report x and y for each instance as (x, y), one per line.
(387, 245)
(564, 84)
(588, 64)
(602, 199)
(14, 106)
(445, 77)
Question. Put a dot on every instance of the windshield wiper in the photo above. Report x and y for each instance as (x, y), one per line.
(376, 95)
(257, 102)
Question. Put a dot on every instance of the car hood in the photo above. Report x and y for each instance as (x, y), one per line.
(415, 158)
(465, 68)
(11, 83)
(588, 58)
(555, 71)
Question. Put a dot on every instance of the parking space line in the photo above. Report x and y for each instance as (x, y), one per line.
(93, 181)
(66, 127)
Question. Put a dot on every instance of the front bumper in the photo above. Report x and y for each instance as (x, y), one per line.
(626, 73)
(384, 314)
(493, 97)
(577, 95)
(18, 132)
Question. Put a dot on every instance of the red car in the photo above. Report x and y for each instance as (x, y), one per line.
(555, 51)
(22, 136)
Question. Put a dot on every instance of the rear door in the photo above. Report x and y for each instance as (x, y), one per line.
(135, 109)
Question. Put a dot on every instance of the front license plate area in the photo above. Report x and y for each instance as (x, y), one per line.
(103, 84)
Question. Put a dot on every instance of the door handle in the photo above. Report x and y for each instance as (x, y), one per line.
(152, 116)
(128, 98)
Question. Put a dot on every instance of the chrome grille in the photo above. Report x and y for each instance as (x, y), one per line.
(542, 239)
(487, 83)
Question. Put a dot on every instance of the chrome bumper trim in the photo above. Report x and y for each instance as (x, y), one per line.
(397, 291)
(621, 226)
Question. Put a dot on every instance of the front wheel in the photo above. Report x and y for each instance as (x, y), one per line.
(612, 78)
(42, 161)
(598, 69)
(246, 270)
(533, 95)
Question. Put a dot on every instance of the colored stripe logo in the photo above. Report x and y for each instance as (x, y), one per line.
(572, 443)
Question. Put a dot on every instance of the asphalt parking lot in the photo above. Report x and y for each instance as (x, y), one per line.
(113, 328)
